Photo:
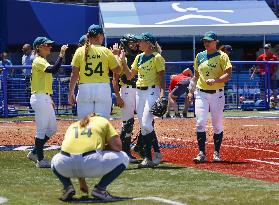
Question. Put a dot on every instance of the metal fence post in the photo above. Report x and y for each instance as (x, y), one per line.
(5, 92)
(268, 85)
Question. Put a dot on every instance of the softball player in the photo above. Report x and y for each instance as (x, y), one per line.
(90, 66)
(83, 154)
(40, 100)
(82, 41)
(150, 67)
(212, 70)
(126, 98)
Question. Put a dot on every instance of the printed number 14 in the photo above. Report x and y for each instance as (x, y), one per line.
(85, 131)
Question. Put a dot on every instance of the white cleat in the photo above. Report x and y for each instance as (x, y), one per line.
(216, 157)
(200, 158)
(43, 164)
(103, 195)
(32, 157)
(146, 163)
(68, 193)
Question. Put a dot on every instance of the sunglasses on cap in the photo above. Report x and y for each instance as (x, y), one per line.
(47, 45)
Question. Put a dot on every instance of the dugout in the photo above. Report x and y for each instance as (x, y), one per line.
(181, 24)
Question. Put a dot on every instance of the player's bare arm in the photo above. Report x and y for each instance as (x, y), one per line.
(192, 86)
(130, 74)
(83, 185)
(162, 82)
(114, 144)
(115, 49)
(73, 80)
(116, 89)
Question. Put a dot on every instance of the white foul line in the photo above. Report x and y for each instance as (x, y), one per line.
(154, 198)
(3, 200)
(264, 150)
(256, 160)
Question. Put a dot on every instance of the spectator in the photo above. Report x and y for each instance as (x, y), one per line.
(4, 59)
(178, 86)
(27, 58)
(268, 56)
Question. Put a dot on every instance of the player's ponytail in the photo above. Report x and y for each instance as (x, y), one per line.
(84, 121)
(87, 45)
(157, 48)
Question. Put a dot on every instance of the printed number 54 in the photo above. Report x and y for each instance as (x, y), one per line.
(89, 71)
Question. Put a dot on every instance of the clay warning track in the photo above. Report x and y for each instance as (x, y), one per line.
(250, 146)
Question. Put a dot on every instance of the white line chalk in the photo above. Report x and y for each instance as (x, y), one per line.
(261, 161)
(154, 198)
(3, 200)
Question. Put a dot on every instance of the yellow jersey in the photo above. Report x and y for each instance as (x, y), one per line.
(123, 81)
(210, 66)
(99, 61)
(94, 136)
(41, 81)
(147, 68)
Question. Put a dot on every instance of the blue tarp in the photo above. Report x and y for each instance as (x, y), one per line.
(189, 18)
(64, 23)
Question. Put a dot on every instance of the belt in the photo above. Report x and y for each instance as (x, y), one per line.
(210, 91)
(130, 86)
(145, 87)
(41, 93)
(83, 154)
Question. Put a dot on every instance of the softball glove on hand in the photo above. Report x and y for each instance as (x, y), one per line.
(160, 107)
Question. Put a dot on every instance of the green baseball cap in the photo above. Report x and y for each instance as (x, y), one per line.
(95, 29)
(82, 40)
(146, 37)
(210, 36)
(41, 40)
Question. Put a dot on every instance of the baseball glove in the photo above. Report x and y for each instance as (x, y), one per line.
(160, 107)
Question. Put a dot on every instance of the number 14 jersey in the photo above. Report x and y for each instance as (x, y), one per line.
(94, 69)
(94, 136)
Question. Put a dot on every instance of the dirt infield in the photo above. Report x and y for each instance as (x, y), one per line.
(250, 146)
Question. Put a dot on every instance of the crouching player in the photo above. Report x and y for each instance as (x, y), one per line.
(91, 148)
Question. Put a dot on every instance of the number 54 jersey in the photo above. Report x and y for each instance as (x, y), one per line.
(95, 68)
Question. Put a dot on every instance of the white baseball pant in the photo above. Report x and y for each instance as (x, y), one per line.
(94, 97)
(93, 165)
(215, 102)
(44, 115)
(144, 101)
(128, 94)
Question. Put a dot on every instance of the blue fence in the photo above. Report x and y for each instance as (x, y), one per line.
(241, 92)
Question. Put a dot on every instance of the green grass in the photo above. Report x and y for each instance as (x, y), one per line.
(24, 184)
(116, 113)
